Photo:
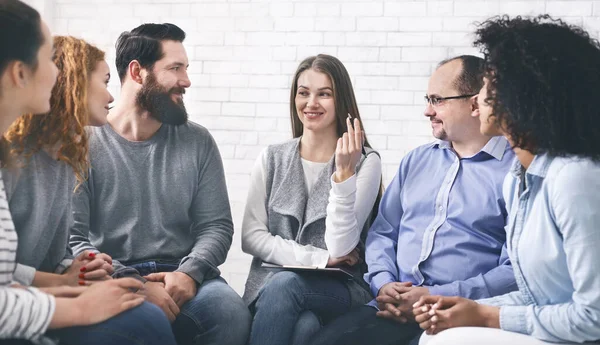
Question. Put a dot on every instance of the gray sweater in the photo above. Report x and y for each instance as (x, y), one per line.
(39, 196)
(161, 199)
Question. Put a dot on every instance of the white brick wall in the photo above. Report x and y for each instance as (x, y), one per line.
(243, 54)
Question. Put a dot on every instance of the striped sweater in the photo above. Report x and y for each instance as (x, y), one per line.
(25, 313)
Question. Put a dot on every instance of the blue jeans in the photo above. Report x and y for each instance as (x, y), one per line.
(217, 315)
(143, 325)
(291, 307)
(362, 326)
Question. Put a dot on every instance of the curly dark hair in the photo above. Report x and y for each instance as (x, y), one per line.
(544, 76)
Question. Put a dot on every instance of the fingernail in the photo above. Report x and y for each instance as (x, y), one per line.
(81, 276)
(432, 312)
(83, 269)
(424, 309)
(416, 305)
(81, 283)
(92, 255)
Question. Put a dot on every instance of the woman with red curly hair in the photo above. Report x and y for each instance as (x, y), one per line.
(46, 157)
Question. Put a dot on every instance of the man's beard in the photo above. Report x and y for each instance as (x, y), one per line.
(157, 101)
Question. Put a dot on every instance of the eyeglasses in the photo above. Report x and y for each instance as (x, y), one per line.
(437, 100)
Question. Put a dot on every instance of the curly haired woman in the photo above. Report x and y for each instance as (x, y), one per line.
(540, 92)
(42, 156)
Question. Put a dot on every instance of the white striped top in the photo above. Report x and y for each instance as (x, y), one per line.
(25, 313)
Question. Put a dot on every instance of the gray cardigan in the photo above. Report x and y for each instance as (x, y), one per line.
(295, 214)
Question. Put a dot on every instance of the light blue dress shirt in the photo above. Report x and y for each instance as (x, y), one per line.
(553, 237)
(441, 223)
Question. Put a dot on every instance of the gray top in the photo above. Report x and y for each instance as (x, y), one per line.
(163, 199)
(39, 193)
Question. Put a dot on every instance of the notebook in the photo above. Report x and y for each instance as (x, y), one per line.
(334, 271)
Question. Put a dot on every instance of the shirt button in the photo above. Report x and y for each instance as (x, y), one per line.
(441, 208)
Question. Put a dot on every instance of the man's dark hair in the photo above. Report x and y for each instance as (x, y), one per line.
(544, 77)
(144, 45)
(470, 80)
(21, 33)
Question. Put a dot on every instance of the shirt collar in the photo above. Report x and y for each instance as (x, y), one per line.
(495, 147)
(538, 167)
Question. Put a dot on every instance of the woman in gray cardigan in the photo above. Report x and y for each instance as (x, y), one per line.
(310, 203)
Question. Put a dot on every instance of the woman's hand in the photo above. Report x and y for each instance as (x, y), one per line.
(348, 152)
(436, 313)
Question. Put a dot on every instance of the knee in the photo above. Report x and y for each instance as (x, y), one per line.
(284, 284)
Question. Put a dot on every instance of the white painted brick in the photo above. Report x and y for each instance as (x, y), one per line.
(216, 24)
(248, 152)
(265, 39)
(452, 39)
(334, 38)
(377, 24)
(405, 8)
(366, 39)
(252, 24)
(238, 109)
(358, 54)
(214, 53)
(221, 67)
(226, 136)
(327, 10)
(362, 9)
(596, 9)
(268, 81)
(272, 138)
(514, 8)
(401, 112)
(305, 9)
(409, 39)
(279, 95)
(249, 95)
(377, 83)
(281, 9)
(210, 94)
(304, 52)
(207, 38)
(365, 68)
(456, 51)
(300, 24)
(368, 111)
(284, 53)
(206, 108)
(476, 8)
(304, 38)
(440, 8)
(391, 97)
(235, 38)
(569, 8)
(263, 124)
(261, 67)
(197, 79)
(249, 9)
(390, 54)
(462, 24)
(335, 24)
(378, 142)
(273, 109)
(206, 9)
(406, 83)
(252, 53)
(420, 24)
(424, 54)
(227, 151)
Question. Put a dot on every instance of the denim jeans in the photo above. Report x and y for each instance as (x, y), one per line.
(217, 315)
(143, 325)
(361, 326)
(291, 307)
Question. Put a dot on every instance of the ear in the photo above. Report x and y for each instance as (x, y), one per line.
(474, 106)
(18, 74)
(135, 71)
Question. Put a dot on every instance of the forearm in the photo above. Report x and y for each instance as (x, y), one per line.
(43, 279)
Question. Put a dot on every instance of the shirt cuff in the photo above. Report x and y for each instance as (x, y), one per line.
(514, 319)
(24, 275)
(321, 259)
(344, 188)
(379, 280)
(63, 265)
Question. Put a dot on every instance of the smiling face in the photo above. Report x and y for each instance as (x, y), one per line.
(315, 103)
(99, 98)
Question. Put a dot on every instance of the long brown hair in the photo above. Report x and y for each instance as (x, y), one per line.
(63, 127)
(343, 93)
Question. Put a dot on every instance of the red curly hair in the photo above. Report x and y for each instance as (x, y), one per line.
(63, 128)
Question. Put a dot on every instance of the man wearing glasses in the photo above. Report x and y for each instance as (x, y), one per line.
(440, 227)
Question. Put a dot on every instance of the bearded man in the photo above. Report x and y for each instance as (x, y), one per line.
(155, 199)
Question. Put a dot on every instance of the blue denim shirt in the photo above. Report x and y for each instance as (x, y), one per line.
(441, 223)
(553, 237)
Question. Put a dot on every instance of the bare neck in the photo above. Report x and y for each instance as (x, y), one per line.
(318, 146)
